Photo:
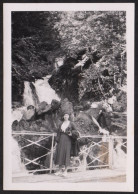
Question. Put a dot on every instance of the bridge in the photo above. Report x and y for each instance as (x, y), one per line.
(88, 166)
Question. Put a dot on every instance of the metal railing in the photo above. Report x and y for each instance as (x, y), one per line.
(96, 152)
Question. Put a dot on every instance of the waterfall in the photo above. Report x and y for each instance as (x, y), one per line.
(33, 95)
(28, 95)
(119, 157)
(17, 166)
(44, 90)
(38, 92)
(18, 113)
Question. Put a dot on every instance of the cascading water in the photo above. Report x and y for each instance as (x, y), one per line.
(119, 157)
(18, 113)
(28, 95)
(41, 91)
(17, 166)
(44, 90)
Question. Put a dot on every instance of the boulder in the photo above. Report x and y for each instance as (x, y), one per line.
(42, 129)
(55, 105)
(23, 125)
(66, 106)
(43, 107)
(29, 114)
(47, 125)
(78, 108)
(15, 126)
(34, 126)
(85, 124)
(93, 112)
(121, 104)
(16, 104)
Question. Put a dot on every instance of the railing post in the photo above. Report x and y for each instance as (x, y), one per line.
(111, 152)
(51, 158)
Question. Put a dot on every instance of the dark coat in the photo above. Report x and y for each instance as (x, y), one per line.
(75, 134)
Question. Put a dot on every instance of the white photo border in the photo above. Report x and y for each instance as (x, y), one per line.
(7, 173)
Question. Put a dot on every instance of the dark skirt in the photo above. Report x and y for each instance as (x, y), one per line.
(63, 150)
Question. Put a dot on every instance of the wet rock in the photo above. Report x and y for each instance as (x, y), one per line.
(121, 104)
(15, 126)
(29, 114)
(65, 80)
(16, 104)
(39, 122)
(55, 105)
(42, 129)
(84, 118)
(48, 123)
(85, 124)
(34, 126)
(105, 119)
(120, 133)
(67, 107)
(86, 105)
(23, 125)
(93, 112)
(78, 108)
(43, 107)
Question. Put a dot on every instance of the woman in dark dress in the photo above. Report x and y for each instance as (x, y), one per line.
(64, 144)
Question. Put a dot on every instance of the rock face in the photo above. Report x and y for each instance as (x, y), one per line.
(121, 104)
(29, 114)
(119, 124)
(43, 107)
(65, 80)
(47, 118)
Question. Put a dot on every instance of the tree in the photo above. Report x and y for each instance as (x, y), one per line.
(34, 47)
(38, 38)
(96, 31)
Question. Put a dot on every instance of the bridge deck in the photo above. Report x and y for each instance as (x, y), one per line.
(98, 175)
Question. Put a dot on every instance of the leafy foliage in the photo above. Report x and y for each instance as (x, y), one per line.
(34, 46)
(101, 32)
(40, 37)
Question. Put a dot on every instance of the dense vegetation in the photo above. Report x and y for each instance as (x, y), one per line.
(38, 38)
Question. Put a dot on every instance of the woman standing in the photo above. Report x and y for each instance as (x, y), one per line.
(66, 133)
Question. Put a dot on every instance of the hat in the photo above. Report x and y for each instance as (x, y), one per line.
(64, 113)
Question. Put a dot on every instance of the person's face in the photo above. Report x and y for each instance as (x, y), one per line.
(66, 117)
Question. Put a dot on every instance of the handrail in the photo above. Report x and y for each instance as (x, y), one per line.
(51, 134)
(102, 136)
(32, 133)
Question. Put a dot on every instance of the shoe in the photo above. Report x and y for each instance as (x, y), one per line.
(58, 173)
(65, 174)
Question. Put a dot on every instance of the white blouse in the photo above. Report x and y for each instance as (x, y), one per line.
(65, 125)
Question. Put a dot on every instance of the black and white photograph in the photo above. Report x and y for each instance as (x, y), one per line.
(68, 113)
